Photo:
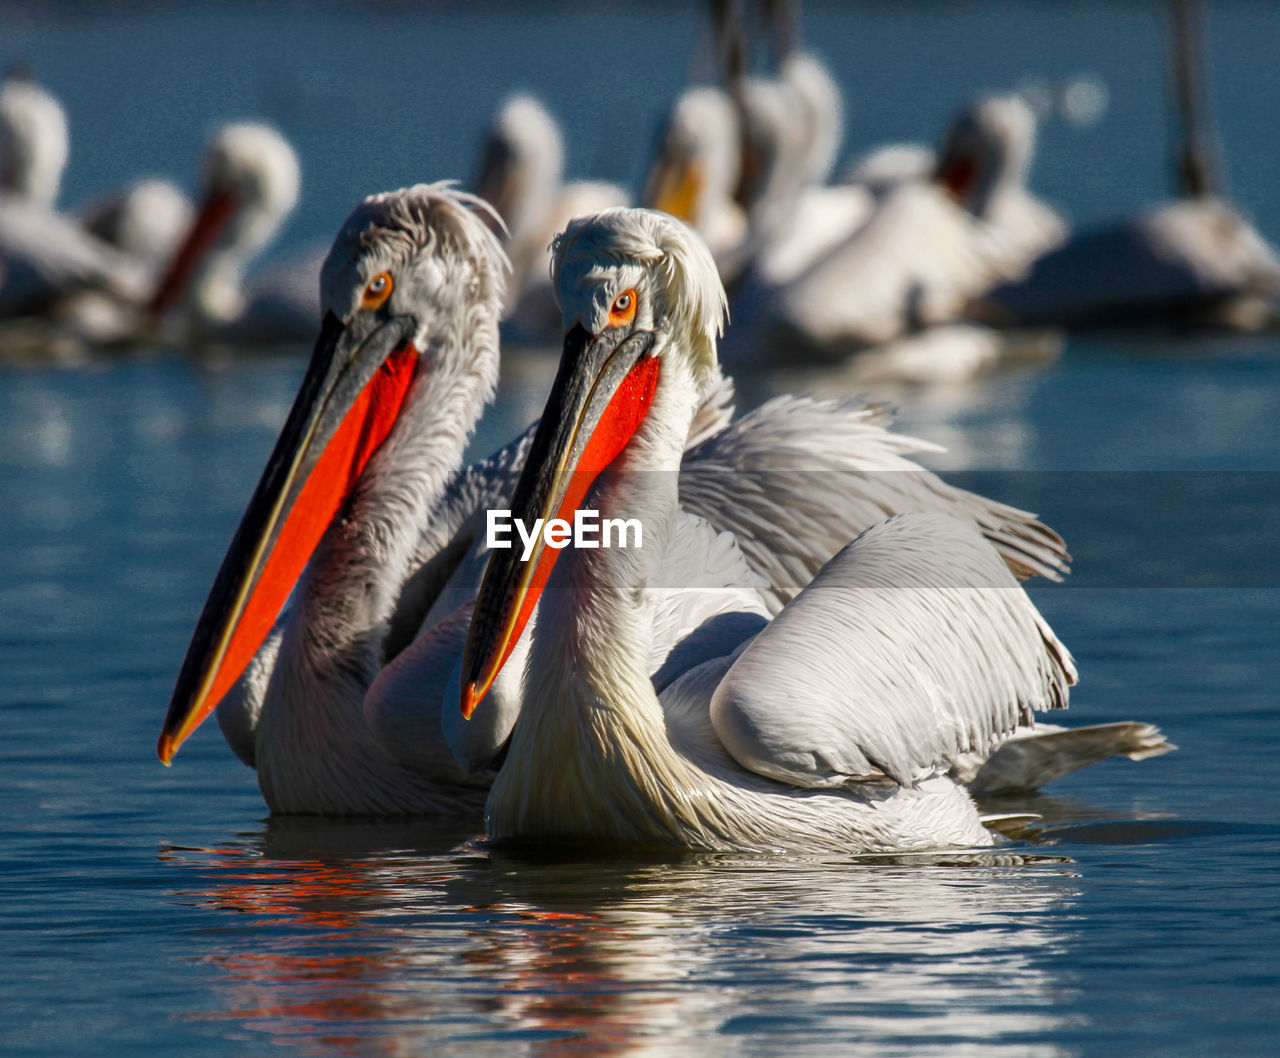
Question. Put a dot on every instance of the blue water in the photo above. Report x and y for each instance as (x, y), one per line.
(149, 910)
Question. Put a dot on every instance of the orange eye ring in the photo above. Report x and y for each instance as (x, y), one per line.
(623, 309)
(377, 291)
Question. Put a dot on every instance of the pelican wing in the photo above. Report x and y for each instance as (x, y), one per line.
(704, 602)
(1168, 259)
(44, 253)
(913, 263)
(1019, 230)
(911, 647)
(797, 478)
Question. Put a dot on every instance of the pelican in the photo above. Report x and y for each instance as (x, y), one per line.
(985, 161)
(769, 143)
(33, 142)
(44, 254)
(144, 221)
(521, 177)
(925, 251)
(696, 169)
(793, 127)
(110, 278)
(251, 181)
(831, 728)
(363, 515)
(406, 358)
(1192, 261)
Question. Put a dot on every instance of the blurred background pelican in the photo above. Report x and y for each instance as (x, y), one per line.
(896, 271)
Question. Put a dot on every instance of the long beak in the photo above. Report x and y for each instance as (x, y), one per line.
(350, 399)
(956, 173)
(601, 394)
(675, 187)
(212, 220)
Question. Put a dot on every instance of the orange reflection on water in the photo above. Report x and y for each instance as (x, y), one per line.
(378, 950)
(314, 960)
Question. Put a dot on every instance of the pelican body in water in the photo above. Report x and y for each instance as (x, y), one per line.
(1193, 262)
(366, 518)
(251, 182)
(142, 259)
(835, 726)
(916, 259)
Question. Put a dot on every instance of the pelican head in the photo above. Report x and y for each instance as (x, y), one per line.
(522, 163)
(409, 276)
(677, 293)
(642, 307)
(251, 181)
(148, 221)
(988, 148)
(776, 148)
(822, 109)
(699, 156)
(33, 141)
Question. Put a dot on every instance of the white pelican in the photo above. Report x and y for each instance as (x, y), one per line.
(521, 175)
(361, 515)
(925, 251)
(985, 162)
(696, 169)
(110, 278)
(144, 221)
(406, 359)
(33, 142)
(1193, 261)
(832, 728)
(251, 181)
(793, 126)
(44, 254)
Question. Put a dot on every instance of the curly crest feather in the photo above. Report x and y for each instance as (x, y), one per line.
(688, 297)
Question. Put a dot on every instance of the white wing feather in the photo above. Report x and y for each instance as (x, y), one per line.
(912, 646)
(797, 478)
(44, 253)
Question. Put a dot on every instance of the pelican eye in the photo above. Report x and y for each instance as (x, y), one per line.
(377, 291)
(623, 309)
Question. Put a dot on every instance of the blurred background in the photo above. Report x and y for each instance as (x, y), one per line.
(376, 96)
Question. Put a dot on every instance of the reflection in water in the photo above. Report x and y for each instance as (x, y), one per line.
(385, 938)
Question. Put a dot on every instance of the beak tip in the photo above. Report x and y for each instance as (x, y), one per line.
(166, 747)
(470, 699)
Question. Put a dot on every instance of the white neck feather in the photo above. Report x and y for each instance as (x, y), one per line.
(311, 725)
(591, 729)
